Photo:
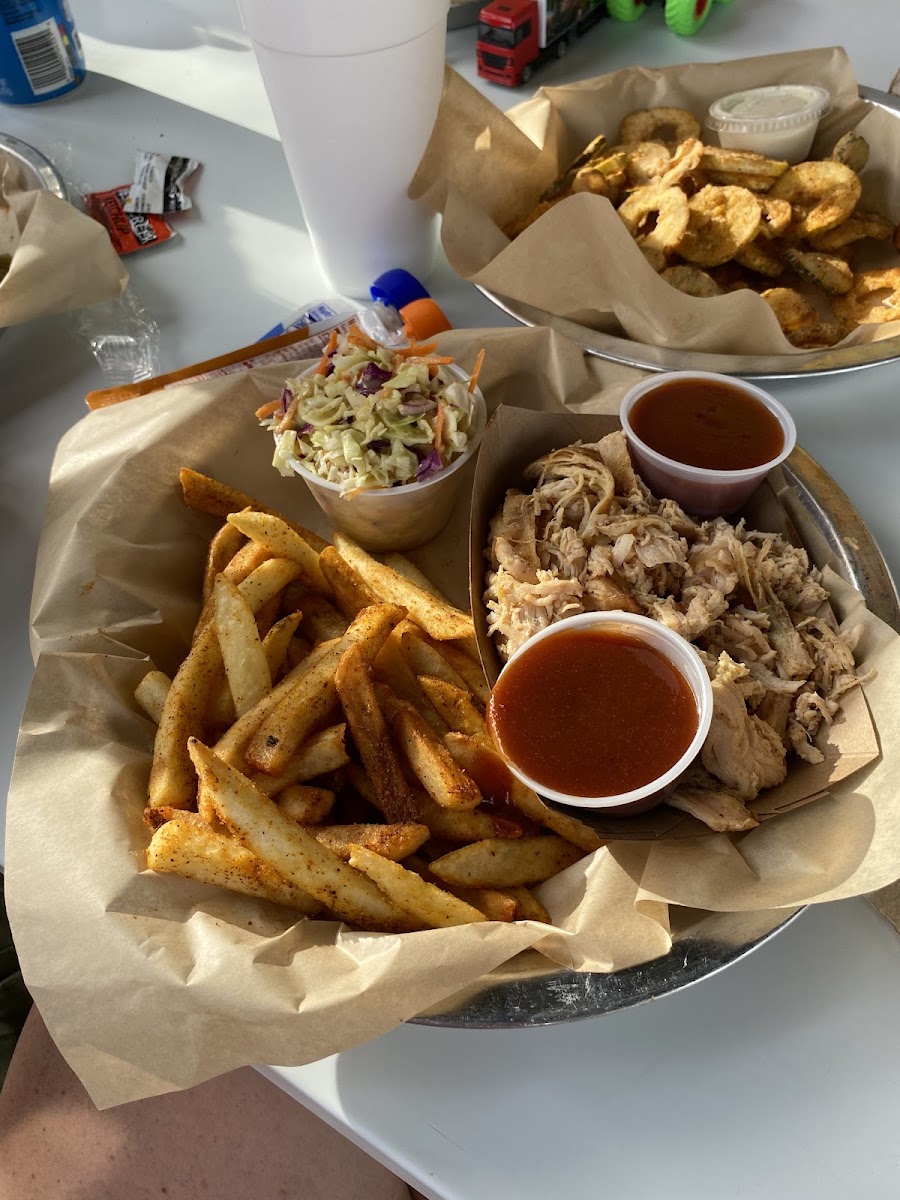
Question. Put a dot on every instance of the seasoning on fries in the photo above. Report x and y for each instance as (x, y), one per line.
(320, 744)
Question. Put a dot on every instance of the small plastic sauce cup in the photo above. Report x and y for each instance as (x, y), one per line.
(398, 518)
(779, 121)
(700, 490)
(686, 661)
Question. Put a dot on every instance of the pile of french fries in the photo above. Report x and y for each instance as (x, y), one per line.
(321, 744)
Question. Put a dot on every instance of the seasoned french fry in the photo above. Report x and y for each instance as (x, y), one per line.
(186, 847)
(503, 862)
(309, 703)
(172, 779)
(396, 841)
(154, 818)
(434, 768)
(496, 905)
(314, 695)
(306, 805)
(424, 659)
(291, 850)
(465, 752)
(222, 549)
(151, 694)
(269, 578)
(528, 907)
(319, 754)
(245, 662)
(357, 695)
(441, 620)
(392, 669)
(282, 541)
(277, 640)
(471, 672)
(321, 621)
(245, 561)
(402, 565)
(457, 708)
(210, 496)
(351, 594)
(232, 744)
(427, 903)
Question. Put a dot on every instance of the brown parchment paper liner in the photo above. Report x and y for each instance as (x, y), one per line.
(483, 167)
(61, 259)
(152, 984)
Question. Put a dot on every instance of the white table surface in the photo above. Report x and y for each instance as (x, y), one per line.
(774, 1079)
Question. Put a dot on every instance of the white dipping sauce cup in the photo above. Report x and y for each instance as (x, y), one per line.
(779, 122)
(398, 518)
(686, 661)
(355, 87)
(699, 490)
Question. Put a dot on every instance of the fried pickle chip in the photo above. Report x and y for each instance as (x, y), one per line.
(826, 271)
(692, 281)
(761, 256)
(659, 125)
(823, 193)
(818, 336)
(792, 311)
(776, 216)
(866, 301)
(722, 221)
(861, 224)
(719, 160)
(852, 150)
(656, 217)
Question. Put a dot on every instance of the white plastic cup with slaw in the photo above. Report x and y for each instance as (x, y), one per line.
(406, 516)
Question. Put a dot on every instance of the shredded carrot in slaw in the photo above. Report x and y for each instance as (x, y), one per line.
(415, 349)
(476, 370)
(323, 361)
(268, 410)
(439, 422)
(430, 360)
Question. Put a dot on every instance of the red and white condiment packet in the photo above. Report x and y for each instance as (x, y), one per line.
(128, 231)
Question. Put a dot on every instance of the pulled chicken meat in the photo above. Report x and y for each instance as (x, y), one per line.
(590, 536)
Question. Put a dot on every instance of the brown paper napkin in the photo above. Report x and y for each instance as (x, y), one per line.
(60, 259)
(151, 984)
(484, 167)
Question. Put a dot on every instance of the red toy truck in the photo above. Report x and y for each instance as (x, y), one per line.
(514, 36)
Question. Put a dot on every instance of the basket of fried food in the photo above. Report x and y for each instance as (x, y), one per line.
(712, 220)
(323, 743)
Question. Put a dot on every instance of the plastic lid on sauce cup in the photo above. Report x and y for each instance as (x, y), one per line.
(686, 661)
(701, 491)
(779, 121)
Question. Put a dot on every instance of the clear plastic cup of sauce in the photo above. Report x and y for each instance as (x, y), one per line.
(778, 121)
(706, 441)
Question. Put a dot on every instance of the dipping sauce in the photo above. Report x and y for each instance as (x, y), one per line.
(779, 121)
(707, 423)
(592, 712)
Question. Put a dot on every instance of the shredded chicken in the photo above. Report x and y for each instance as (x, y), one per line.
(591, 536)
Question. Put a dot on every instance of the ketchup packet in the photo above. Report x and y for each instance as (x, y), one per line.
(128, 231)
(159, 183)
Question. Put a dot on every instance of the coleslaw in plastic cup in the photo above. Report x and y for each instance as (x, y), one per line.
(380, 436)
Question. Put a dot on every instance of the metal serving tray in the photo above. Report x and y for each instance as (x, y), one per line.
(39, 173)
(621, 349)
(530, 990)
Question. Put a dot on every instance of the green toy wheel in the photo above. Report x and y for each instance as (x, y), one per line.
(626, 10)
(685, 17)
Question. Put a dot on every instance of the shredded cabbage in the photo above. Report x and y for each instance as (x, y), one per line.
(372, 418)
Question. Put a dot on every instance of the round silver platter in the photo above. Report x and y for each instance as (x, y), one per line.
(532, 991)
(621, 349)
(37, 171)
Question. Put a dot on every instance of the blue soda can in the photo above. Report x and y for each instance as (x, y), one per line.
(40, 51)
